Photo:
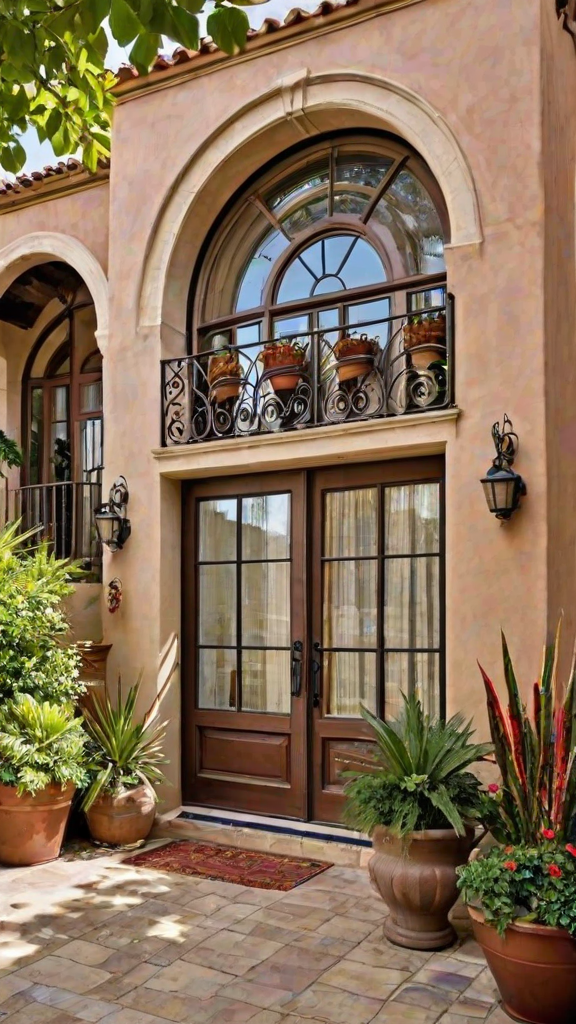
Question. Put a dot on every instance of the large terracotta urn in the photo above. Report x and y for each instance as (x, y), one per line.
(32, 825)
(534, 967)
(416, 878)
(124, 818)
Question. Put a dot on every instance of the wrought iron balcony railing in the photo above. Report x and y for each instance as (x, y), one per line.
(316, 378)
(62, 513)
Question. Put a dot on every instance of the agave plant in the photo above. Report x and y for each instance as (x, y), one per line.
(124, 752)
(417, 778)
(40, 743)
(536, 757)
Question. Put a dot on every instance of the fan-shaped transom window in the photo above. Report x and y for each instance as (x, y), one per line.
(349, 218)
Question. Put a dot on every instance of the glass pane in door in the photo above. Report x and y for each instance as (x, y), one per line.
(350, 599)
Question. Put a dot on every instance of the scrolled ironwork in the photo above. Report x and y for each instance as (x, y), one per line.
(405, 369)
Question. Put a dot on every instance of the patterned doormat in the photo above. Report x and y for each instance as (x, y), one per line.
(227, 864)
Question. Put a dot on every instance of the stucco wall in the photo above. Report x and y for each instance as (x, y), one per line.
(481, 78)
(559, 175)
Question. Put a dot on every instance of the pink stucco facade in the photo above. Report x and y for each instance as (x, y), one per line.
(483, 95)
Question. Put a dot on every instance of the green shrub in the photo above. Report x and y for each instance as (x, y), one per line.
(123, 752)
(33, 655)
(530, 883)
(40, 744)
(417, 778)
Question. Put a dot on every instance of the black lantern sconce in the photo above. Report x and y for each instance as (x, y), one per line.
(503, 488)
(112, 524)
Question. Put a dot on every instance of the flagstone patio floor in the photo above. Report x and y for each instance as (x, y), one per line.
(99, 940)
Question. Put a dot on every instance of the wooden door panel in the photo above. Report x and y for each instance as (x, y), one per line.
(234, 757)
(351, 628)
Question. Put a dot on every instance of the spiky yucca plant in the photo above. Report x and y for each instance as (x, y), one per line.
(124, 752)
(40, 743)
(417, 778)
(536, 756)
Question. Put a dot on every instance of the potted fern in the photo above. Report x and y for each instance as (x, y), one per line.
(42, 762)
(124, 759)
(419, 802)
(521, 893)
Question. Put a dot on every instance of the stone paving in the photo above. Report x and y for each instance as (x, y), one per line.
(99, 940)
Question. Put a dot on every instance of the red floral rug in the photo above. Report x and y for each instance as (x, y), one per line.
(227, 864)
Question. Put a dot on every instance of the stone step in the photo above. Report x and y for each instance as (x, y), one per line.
(349, 854)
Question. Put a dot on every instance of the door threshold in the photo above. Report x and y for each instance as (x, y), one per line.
(281, 826)
(255, 832)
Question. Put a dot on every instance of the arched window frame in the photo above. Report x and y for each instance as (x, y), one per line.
(75, 380)
(407, 294)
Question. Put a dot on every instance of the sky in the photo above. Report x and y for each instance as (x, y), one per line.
(38, 154)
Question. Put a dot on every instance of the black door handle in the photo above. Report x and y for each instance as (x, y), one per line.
(297, 648)
(316, 666)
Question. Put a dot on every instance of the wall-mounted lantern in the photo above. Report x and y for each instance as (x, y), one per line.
(503, 488)
(111, 520)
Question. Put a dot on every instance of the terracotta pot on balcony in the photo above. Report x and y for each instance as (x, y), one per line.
(32, 825)
(289, 359)
(224, 374)
(355, 357)
(419, 334)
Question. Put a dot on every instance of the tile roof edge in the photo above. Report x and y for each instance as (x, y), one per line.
(52, 179)
(330, 13)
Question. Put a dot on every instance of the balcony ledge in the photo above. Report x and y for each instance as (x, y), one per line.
(411, 435)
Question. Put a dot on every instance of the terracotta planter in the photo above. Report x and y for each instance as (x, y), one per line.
(534, 967)
(122, 819)
(355, 359)
(285, 381)
(416, 878)
(32, 827)
(223, 392)
(422, 357)
(93, 672)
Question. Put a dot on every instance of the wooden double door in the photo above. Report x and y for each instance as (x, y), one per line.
(306, 595)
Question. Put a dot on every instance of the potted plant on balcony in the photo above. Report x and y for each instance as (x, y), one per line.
(124, 759)
(425, 338)
(521, 894)
(41, 764)
(288, 358)
(419, 802)
(355, 355)
(224, 374)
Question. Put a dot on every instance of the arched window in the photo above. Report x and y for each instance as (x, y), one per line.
(63, 405)
(349, 231)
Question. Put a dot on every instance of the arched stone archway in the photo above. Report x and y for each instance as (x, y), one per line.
(300, 106)
(36, 247)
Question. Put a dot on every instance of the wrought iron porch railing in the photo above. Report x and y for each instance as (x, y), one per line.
(63, 515)
(331, 376)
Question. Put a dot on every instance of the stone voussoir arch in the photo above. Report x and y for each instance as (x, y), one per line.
(297, 99)
(36, 247)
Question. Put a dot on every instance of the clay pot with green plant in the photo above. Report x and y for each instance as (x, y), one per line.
(521, 894)
(42, 762)
(288, 358)
(224, 375)
(124, 759)
(419, 802)
(355, 355)
(425, 338)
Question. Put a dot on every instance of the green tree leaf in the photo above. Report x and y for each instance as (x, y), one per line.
(124, 25)
(228, 27)
(144, 51)
(187, 25)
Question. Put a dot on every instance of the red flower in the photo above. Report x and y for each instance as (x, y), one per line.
(554, 871)
(510, 865)
(571, 849)
(548, 833)
(493, 787)
(508, 849)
